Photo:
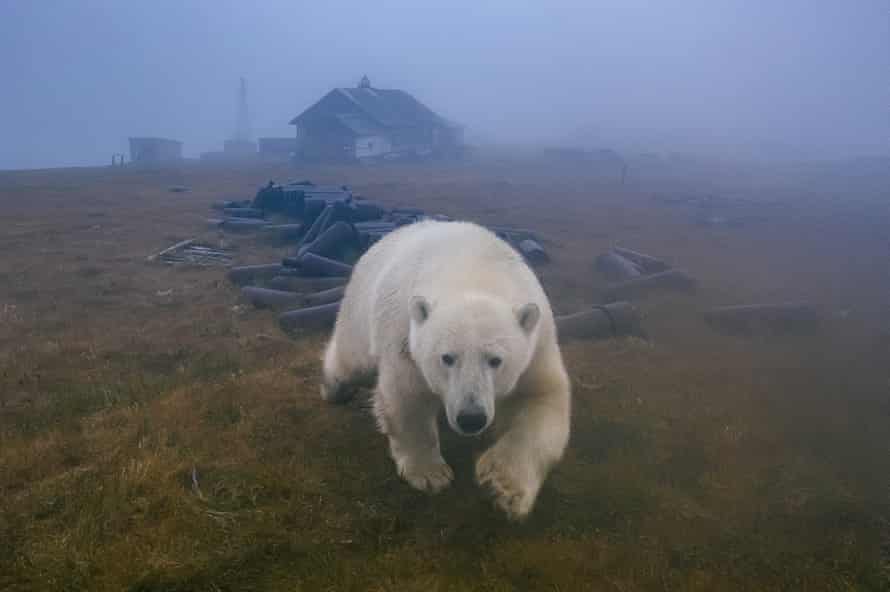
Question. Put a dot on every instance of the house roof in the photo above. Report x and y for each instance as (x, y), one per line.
(374, 109)
(359, 124)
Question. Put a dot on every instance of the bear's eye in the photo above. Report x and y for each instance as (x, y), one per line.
(494, 362)
(448, 359)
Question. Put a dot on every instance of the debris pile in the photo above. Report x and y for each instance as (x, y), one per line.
(192, 252)
(327, 229)
(634, 274)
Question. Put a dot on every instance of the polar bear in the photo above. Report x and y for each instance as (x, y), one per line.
(446, 314)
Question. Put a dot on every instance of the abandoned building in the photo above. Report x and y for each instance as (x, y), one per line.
(367, 123)
(277, 148)
(154, 150)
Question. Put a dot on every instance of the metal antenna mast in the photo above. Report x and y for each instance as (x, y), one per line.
(242, 131)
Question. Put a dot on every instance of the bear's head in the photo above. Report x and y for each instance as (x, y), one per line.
(471, 352)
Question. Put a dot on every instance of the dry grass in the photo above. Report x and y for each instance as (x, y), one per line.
(153, 441)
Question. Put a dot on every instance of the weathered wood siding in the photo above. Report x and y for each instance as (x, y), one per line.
(372, 146)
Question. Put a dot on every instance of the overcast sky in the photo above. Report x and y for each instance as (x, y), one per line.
(810, 77)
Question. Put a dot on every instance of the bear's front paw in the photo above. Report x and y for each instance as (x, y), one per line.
(426, 475)
(512, 481)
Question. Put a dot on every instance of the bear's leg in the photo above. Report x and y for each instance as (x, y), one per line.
(534, 436)
(407, 413)
(344, 372)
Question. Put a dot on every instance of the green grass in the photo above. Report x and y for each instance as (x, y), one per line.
(180, 443)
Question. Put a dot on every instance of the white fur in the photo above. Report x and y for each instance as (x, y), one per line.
(435, 288)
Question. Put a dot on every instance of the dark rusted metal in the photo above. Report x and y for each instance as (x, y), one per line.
(316, 228)
(615, 267)
(533, 251)
(311, 265)
(246, 274)
(335, 238)
(647, 263)
(266, 298)
(309, 318)
(672, 279)
(617, 319)
(294, 283)
(324, 297)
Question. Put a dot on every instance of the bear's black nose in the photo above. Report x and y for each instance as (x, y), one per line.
(472, 420)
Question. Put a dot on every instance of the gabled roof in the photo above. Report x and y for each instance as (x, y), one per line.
(374, 108)
(359, 124)
(390, 108)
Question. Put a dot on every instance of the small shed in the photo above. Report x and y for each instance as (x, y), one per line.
(155, 150)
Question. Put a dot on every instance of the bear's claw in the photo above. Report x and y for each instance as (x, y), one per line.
(431, 476)
(512, 494)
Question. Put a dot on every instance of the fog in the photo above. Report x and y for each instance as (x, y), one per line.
(795, 79)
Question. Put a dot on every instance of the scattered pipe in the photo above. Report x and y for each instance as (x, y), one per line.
(518, 233)
(533, 251)
(266, 298)
(312, 317)
(672, 279)
(248, 273)
(316, 228)
(763, 318)
(317, 265)
(647, 263)
(325, 296)
(294, 283)
(328, 242)
(618, 319)
(615, 267)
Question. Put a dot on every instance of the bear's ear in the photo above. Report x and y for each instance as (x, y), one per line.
(420, 309)
(528, 317)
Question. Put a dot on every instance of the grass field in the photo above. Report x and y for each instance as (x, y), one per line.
(157, 434)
